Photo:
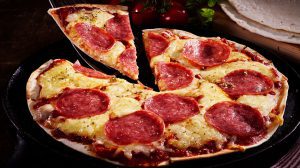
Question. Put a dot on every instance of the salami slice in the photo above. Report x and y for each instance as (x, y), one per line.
(235, 119)
(79, 103)
(94, 37)
(172, 108)
(127, 61)
(138, 127)
(119, 27)
(157, 44)
(173, 76)
(246, 82)
(206, 52)
(90, 72)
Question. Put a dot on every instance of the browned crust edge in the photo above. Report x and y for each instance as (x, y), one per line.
(104, 7)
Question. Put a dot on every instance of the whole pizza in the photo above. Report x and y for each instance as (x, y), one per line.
(215, 96)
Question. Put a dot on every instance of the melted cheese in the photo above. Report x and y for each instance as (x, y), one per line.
(110, 58)
(215, 74)
(264, 104)
(212, 94)
(94, 17)
(124, 106)
(235, 56)
(159, 58)
(88, 127)
(56, 79)
(193, 132)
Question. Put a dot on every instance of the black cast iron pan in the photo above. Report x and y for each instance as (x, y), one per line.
(15, 105)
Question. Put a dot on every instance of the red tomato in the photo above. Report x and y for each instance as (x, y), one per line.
(175, 15)
(143, 16)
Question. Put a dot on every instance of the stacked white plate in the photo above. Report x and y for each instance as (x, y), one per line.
(275, 19)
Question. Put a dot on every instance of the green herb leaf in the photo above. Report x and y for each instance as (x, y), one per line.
(212, 3)
(207, 14)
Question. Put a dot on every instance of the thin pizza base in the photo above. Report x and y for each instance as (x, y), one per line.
(33, 89)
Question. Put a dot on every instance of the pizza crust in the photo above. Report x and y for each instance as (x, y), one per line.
(109, 8)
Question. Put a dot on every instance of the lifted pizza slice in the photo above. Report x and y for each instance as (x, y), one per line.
(103, 32)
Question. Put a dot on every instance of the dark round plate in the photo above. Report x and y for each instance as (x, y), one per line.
(14, 101)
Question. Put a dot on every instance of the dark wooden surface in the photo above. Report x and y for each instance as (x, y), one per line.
(25, 28)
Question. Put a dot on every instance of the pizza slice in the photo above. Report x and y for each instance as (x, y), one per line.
(103, 32)
(177, 57)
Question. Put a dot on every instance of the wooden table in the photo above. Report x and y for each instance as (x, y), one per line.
(25, 28)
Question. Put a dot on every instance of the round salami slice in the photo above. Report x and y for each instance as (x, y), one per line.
(96, 38)
(246, 82)
(90, 72)
(127, 61)
(157, 44)
(119, 27)
(79, 103)
(138, 127)
(172, 108)
(173, 76)
(235, 119)
(206, 52)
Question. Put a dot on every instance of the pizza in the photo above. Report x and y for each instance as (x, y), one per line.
(215, 97)
(103, 32)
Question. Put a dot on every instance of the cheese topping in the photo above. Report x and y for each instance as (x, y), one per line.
(193, 132)
(94, 17)
(55, 80)
(215, 74)
(264, 104)
(212, 94)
